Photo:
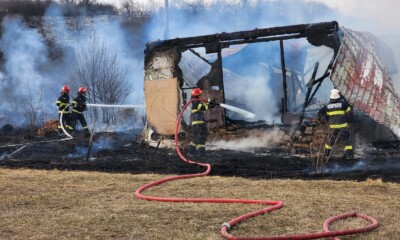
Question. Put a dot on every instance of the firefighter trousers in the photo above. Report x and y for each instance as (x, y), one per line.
(199, 138)
(340, 135)
(65, 121)
(81, 118)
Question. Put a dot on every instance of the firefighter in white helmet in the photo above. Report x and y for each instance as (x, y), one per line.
(338, 114)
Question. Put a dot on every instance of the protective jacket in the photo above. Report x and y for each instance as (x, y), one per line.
(79, 104)
(198, 127)
(62, 103)
(197, 116)
(78, 107)
(338, 113)
(63, 108)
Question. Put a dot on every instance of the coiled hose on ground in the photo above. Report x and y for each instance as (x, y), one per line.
(272, 205)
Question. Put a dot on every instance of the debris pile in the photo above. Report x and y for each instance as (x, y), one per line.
(49, 128)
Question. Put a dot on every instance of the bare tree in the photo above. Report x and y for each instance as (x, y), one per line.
(31, 105)
(98, 69)
(135, 8)
(87, 2)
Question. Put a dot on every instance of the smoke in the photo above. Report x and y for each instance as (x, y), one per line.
(35, 70)
(250, 143)
(30, 65)
(103, 143)
(221, 16)
(25, 53)
(230, 16)
(256, 95)
(74, 33)
(367, 15)
(252, 76)
(364, 166)
(80, 151)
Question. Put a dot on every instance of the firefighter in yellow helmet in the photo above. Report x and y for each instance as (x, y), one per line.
(338, 114)
(197, 123)
(63, 108)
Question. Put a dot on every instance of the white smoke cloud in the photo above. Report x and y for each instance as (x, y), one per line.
(250, 143)
(379, 17)
(25, 54)
(24, 49)
(27, 60)
(255, 89)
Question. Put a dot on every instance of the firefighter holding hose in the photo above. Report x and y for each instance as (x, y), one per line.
(64, 116)
(78, 107)
(338, 114)
(197, 123)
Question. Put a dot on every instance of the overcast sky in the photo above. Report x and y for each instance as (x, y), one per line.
(384, 12)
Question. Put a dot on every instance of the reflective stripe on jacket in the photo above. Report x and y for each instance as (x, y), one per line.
(79, 104)
(337, 112)
(62, 103)
(197, 116)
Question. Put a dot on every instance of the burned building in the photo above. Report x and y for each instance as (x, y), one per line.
(282, 74)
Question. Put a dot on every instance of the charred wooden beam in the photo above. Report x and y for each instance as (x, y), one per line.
(317, 33)
(221, 75)
(319, 82)
(285, 97)
(199, 56)
(310, 85)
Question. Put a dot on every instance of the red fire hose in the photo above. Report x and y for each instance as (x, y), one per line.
(272, 205)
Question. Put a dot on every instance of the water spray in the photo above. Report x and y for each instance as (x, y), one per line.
(113, 106)
(245, 113)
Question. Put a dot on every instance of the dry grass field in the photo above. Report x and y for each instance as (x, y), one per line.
(53, 204)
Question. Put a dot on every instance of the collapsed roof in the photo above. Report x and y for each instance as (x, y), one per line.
(358, 65)
(361, 72)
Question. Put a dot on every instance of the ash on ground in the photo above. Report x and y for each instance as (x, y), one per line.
(122, 153)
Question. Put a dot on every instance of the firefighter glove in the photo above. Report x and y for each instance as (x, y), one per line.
(212, 103)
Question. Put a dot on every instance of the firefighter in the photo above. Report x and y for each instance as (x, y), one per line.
(197, 123)
(78, 107)
(63, 108)
(338, 114)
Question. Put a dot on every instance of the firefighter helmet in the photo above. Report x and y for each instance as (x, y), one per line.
(65, 89)
(197, 92)
(335, 94)
(82, 90)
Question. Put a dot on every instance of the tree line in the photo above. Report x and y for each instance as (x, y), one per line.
(30, 8)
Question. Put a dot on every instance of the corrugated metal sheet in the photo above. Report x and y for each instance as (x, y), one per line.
(193, 68)
(360, 73)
